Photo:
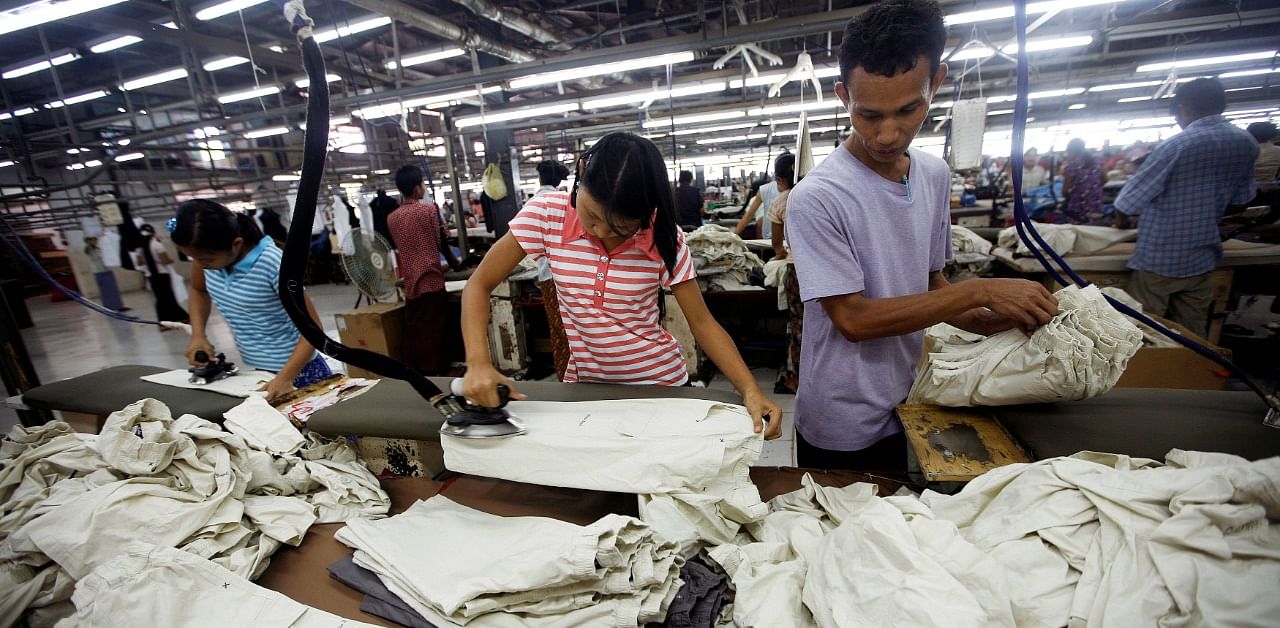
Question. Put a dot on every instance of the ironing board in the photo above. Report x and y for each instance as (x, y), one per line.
(101, 393)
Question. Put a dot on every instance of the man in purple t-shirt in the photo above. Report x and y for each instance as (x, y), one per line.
(869, 229)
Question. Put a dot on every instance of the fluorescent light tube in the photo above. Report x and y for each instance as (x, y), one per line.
(18, 113)
(224, 63)
(716, 129)
(5, 164)
(114, 44)
(795, 108)
(695, 118)
(971, 53)
(425, 57)
(515, 114)
(305, 82)
(75, 100)
(1033, 8)
(1241, 73)
(257, 133)
(129, 157)
(1078, 106)
(250, 93)
(40, 65)
(734, 138)
(1050, 43)
(653, 95)
(599, 69)
(46, 11)
(224, 8)
(92, 163)
(1120, 86)
(1203, 61)
(351, 29)
(154, 79)
(286, 177)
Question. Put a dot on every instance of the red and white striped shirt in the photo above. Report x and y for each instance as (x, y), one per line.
(608, 299)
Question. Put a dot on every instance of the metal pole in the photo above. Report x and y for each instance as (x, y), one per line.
(458, 220)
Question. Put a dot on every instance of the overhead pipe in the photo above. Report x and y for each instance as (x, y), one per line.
(517, 23)
(443, 28)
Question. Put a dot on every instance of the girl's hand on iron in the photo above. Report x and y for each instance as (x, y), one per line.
(480, 386)
(198, 343)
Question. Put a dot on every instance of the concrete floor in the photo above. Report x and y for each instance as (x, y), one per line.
(70, 340)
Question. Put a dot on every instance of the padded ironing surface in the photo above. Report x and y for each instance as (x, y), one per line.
(1146, 423)
(112, 389)
(393, 409)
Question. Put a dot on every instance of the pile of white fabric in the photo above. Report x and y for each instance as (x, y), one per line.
(970, 255)
(1080, 353)
(775, 274)
(689, 460)
(73, 501)
(721, 250)
(1094, 539)
(1067, 239)
(459, 566)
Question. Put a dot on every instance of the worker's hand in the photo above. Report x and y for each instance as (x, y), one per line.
(199, 343)
(480, 386)
(781, 255)
(763, 409)
(1027, 303)
(277, 388)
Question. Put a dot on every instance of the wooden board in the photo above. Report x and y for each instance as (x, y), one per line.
(957, 444)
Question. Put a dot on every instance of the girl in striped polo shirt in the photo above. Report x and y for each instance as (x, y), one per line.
(613, 244)
(237, 269)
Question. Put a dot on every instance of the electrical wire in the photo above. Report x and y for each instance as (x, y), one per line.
(297, 246)
(1039, 248)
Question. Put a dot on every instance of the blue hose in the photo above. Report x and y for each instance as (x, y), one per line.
(1029, 236)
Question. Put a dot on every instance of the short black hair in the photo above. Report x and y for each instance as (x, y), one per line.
(1201, 97)
(784, 167)
(890, 37)
(552, 172)
(1263, 131)
(686, 177)
(408, 178)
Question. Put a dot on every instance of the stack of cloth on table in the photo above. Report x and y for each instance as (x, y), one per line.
(970, 255)
(688, 460)
(1080, 353)
(457, 566)
(1067, 239)
(1096, 540)
(719, 249)
(72, 502)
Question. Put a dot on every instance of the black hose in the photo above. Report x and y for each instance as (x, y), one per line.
(298, 244)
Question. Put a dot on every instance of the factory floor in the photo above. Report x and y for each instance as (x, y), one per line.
(70, 340)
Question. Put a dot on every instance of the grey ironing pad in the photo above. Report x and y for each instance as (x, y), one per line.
(108, 390)
(1146, 423)
(392, 409)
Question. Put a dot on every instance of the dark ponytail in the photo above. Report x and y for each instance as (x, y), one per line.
(626, 174)
(552, 172)
(209, 226)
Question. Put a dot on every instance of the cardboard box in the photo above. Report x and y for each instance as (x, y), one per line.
(1174, 367)
(376, 327)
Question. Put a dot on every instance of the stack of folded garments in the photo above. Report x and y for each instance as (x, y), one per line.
(1080, 353)
(970, 255)
(716, 247)
(1067, 239)
(458, 566)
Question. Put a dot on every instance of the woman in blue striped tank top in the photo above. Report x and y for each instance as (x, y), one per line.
(237, 269)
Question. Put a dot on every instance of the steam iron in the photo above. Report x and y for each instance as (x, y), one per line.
(462, 419)
(210, 370)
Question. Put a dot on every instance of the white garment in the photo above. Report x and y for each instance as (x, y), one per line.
(1150, 336)
(242, 384)
(71, 501)
(147, 585)
(342, 226)
(263, 427)
(690, 459)
(719, 248)
(456, 565)
(775, 271)
(1067, 239)
(964, 240)
(1106, 540)
(1080, 353)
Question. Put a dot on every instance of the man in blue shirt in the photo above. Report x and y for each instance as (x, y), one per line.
(1181, 192)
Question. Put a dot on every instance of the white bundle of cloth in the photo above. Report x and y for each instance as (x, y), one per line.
(775, 274)
(1093, 540)
(1080, 353)
(964, 240)
(72, 501)
(1150, 336)
(149, 585)
(1067, 239)
(970, 255)
(720, 248)
(689, 460)
(459, 566)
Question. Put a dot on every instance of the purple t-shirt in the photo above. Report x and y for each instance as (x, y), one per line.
(850, 231)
